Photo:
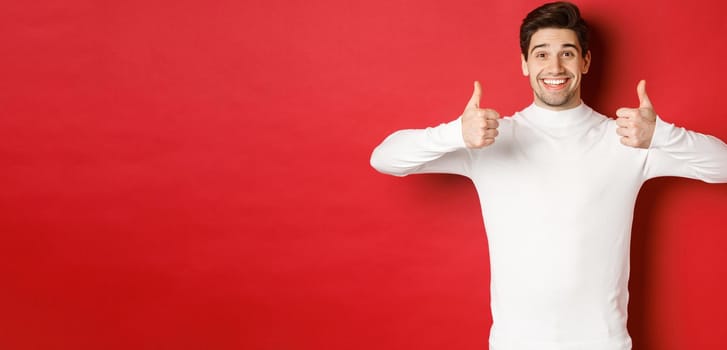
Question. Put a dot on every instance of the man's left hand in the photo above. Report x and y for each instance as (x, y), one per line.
(636, 125)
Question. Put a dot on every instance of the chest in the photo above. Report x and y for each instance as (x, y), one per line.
(578, 168)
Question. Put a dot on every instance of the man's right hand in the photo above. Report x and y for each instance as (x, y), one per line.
(479, 125)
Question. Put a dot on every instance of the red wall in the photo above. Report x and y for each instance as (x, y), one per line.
(194, 175)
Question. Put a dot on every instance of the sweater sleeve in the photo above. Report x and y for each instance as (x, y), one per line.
(439, 149)
(675, 151)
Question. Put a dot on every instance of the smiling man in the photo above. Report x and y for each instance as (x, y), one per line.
(557, 182)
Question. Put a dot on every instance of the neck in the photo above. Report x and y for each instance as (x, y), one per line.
(572, 102)
(556, 119)
(564, 107)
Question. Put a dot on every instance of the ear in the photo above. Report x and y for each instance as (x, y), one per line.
(586, 62)
(524, 65)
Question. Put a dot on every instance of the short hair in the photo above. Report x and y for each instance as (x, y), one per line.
(561, 15)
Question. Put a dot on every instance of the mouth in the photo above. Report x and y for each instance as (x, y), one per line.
(555, 83)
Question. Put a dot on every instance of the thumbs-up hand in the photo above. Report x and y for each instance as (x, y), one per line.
(636, 125)
(479, 125)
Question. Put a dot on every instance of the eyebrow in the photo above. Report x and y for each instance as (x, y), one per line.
(547, 45)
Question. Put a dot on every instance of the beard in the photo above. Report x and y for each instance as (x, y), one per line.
(555, 98)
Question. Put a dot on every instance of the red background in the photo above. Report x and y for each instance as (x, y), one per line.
(194, 175)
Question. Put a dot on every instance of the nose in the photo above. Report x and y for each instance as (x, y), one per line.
(555, 65)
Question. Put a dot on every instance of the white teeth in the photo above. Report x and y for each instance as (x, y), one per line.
(554, 81)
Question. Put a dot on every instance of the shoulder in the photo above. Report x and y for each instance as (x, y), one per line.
(603, 122)
(612, 138)
(598, 116)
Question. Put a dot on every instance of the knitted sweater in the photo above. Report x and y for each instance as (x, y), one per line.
(557, 192)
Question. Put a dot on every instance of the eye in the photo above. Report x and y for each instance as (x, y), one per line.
(568, 54)
(540, 54)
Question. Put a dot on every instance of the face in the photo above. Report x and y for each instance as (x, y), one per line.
(555, 66)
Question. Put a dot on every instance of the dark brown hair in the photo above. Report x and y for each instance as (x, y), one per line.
(562, 15)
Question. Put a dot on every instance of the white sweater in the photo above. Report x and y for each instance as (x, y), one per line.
(557, 190)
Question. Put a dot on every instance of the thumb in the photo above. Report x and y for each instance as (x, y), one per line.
(476, 95)
(644, 101)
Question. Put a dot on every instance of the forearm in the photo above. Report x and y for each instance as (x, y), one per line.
(675, 151)
(430, 150)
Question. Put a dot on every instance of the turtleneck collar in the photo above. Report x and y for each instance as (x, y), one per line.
(556, 119)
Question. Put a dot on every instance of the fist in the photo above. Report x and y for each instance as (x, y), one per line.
(636, 125)
(479, 125)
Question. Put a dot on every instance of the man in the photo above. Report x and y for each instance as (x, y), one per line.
(558, 183)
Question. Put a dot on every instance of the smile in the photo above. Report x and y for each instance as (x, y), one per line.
(555, 83)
